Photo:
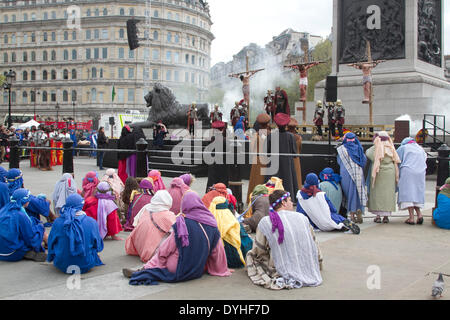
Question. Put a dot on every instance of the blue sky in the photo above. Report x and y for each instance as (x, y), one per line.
(236, 23)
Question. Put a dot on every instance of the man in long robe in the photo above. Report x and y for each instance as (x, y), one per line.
(259, 208)
(292, 128)
(74, 239)
(281, 102)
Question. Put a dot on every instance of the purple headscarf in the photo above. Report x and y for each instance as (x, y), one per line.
(187, 179)
(193, 208)
(106, 205)
(275, 218)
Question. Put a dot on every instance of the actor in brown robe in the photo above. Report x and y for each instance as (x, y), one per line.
(292, 128)
(256, 146)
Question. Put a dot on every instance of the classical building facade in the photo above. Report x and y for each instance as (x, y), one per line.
(77, 68)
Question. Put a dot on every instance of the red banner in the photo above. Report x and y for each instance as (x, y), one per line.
(69, 125)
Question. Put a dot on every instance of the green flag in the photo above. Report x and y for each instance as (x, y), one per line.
(113, 94)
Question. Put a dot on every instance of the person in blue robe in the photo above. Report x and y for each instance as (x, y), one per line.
(74, 240)
(38, 205)
(73, 137)
(4, 191)
(441, 214)
(21, 236)
(331, 186)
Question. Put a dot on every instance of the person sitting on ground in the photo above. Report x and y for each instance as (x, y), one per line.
(217, 190)
(131, 185)
(90, 182)
(63, 189)
(158, 183)
(159, 133)
(4, 191)
(154, 226)
(236, 241)
(138, 201)
(314, 204)
(21, 236)
(114, 181)
(177, 189)
(191, 250)
(38, 205)
(441, 215)
(188, 179)
(103, 209)
(259, 208)
(74, 239)
(331, 186)
(285, 253)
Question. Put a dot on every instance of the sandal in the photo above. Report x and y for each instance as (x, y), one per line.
(351, 226)
(359, 217)
(377, 220)
(410, 222)
(385, 220)
(420, 220)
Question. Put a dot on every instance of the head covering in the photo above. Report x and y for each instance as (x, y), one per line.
(240, 124)
(72, 226)
(147, 185)
(106, 205)
(90, 182)
(161, 201)
(354, 149)
(274, 183)
(187, 179)
(192, 208)
(445, 189)
(19, 198)
(328, 174)
(177, 189)
(3, 174)
(263, 118)
(311, 187)
(157, 180)
(292, 123)
(63, 189)
(15, 180)
(260, 189)
(384, 147)
(282, 119)
(218, 125)
(114, 180)
(219, 189)
(408, 140)
(275, 218)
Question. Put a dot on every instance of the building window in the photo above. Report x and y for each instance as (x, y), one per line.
(177, 75)
(94, 73)
(5, 57)
(121, 53)
(74, 95)
(53, 36)
(130, 95)
(25, 17)
(88, 34)
(13, 57)
(44, 56)
(65, 96)
(45, 15)
(192, 77)
(177, 16)
(120, 95)
(53, 55)
(45, 75)
(169, 75)
(155, 74)
(187, 58)
(25, 76)
(176, 57)
(5, 19)
(130, 54)
(156, 13)
(66, 55)
(53, 74)
(88, 12)
(186, 77)
(25, 56)
(33, 75)
(105, 53)
(25, 38)
(121, 73)
(188, 19)
(45, 36)
(74, 54)
(5, 39)
(131, 12)
(155, 36)
(33, 56)
(105, 34)
(177, 38)
(44, 96)
(96, 34)
(101, 73)
(122, 11)
(74, 35)
(32, 96)
(105, 12)
(130, 73)
(96, 53)
(169, 15)
(97, 12)
(155, 54)
(24, 97)
(66, 74)
(74, 74)
(33, 16)
(53, 96)
(88, 53)
(33, 37)
(13, 18)
(93, 95)
(169, 56)
(169, 37)
(193, 59)
(53, 14)
(66, 35)
(121, 34)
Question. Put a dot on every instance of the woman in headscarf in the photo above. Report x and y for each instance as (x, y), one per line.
(191, 249)
(314, 204)
(114, 181)
(285, 252)
(236, 247)
(331, 185)
(259, 208)
(90, 182)
(4, 191)
(188, 179)
(411, 185)
(126, 142)
(239, 129)
(158, 183)
(74, 239)
(292, 128)
(154, 223)
(63, 189)
(38, 205)
(21, 236)
(217, 190)
(351, 160)
(177, 189)
(274, 183)
(131, 185)
(383, 178)
(101, 207)
(441, 215)
(138, 201)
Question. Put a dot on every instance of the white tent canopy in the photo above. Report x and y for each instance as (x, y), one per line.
(29, 124)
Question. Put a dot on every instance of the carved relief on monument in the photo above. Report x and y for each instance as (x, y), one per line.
(429, 35)
(382, 22)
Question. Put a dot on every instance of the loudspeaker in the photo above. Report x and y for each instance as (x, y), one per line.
(331, 89)
(111, 121)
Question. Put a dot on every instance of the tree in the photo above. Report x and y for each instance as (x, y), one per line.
(322, 52)
(2, 80)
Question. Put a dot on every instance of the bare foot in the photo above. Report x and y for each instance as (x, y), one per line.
(231, 270)
(116, 238)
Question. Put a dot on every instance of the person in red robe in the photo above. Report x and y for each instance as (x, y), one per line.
(102, 207)
(126, 142)
(281, 103)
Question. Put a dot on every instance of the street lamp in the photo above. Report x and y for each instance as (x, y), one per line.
(36, 93)
(10, 77)
(57, 113)
(73, 110)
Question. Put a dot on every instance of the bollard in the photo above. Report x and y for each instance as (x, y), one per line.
(14, 156)
(443, 170)
(67, 156)
(141, 161)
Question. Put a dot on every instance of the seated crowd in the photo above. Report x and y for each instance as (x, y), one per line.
(179, 235)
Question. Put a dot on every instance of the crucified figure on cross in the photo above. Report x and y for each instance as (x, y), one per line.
(245, 78)
(366, 68)
(303, 69)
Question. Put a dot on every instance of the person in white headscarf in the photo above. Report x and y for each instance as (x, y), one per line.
(63, 188)
(114, 181)
(153, 225)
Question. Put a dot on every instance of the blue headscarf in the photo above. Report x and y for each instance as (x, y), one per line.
(407, 140)
(354, 149)
(15, 180)
(72, 226)
(240, 123)
(328, 174)
(3, 173)
(17, 201)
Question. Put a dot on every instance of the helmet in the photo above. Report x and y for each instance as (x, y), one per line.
(319, 103)
(216, 105)
(194, 103)
(339, 102)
